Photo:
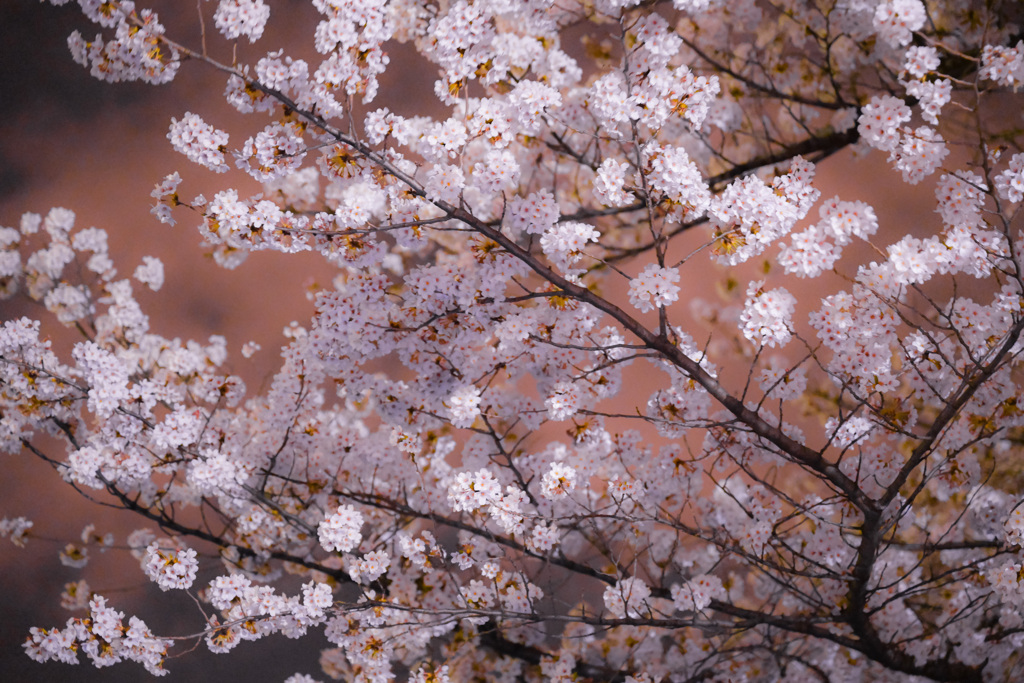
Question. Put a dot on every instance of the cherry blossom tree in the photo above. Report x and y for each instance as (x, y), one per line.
(450, 475)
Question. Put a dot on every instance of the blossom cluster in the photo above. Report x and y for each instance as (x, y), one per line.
(236, 18)
(103, 637)
(654, 287)
(340, 531)
(136, 52)
(199, 141)
(170, 568)
(767, 314)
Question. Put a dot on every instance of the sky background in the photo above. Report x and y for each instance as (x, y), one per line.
(98, 149)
